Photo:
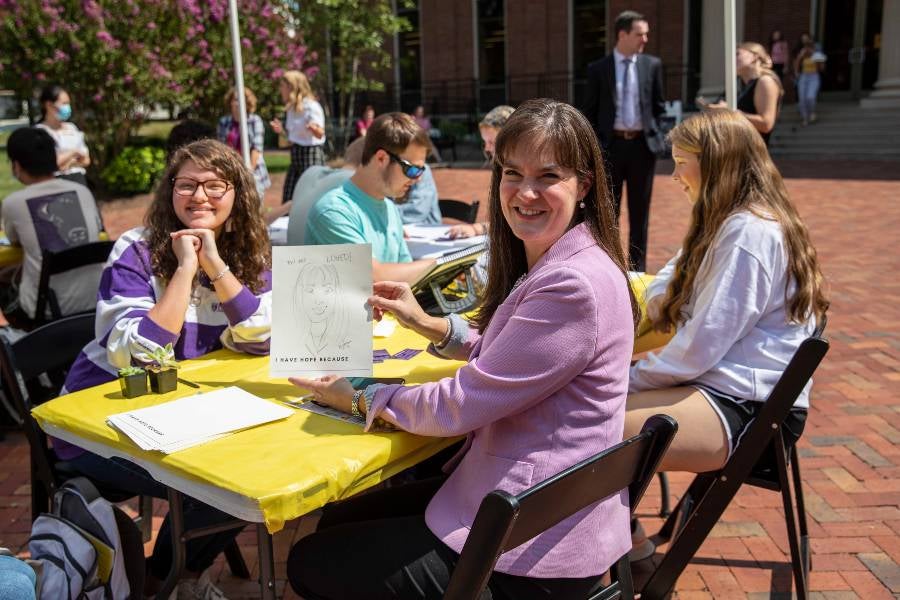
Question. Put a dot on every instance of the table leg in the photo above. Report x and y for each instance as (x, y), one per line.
(176, 523)
(266, 562)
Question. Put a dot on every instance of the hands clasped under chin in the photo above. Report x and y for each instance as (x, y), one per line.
(199, 246)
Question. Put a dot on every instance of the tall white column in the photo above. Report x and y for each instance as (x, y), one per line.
(712, 47)
(887, 88)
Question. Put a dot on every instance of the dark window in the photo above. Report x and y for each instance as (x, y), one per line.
(410, 59)
(491, 53)
(588, 34)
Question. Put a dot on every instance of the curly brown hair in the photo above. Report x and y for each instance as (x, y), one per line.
(738, 174)
(544, 123)
(243, 244)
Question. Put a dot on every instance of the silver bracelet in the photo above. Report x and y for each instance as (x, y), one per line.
(221, 274)
(446, 339)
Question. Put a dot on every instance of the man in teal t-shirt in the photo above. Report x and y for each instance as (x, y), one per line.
(359, 211)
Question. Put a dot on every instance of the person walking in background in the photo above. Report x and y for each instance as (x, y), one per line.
(624, 102)
(229, 133)
(760, 97)
(490, 126)
(304, 127)
(808, 64)
(72, 154)
(362, 124)
(780, 53)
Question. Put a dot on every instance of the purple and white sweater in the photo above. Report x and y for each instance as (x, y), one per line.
(126, 336)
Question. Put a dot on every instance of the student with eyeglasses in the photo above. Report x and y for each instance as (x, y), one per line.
(361, 211)
(197, 276)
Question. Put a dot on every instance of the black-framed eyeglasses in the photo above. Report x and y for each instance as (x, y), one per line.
(187, 186)
(410, 170)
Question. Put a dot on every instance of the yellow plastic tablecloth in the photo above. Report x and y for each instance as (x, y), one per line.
(647, 339)
(288, 467)
(12, 255)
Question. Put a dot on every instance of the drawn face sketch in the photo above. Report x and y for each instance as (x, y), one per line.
(316, 307)
(318, 291)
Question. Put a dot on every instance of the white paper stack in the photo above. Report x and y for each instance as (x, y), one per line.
(180, 424)
(278, 230)
(431, 241)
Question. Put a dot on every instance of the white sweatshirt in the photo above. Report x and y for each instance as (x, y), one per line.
(738, 338)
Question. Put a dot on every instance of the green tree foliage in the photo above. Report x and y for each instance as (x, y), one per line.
(352, 39)
(118, 57)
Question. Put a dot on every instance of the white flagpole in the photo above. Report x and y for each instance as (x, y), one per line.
(730, 48)
(239, 79)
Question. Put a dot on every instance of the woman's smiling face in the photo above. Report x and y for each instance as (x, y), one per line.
(538, 198)
(687, 172)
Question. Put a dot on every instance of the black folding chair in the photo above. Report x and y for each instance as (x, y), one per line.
(751, 463)
(34, 369)
(459, 210)
(505, 521)
(54, 263)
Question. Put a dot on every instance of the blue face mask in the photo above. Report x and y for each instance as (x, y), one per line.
(64, 112)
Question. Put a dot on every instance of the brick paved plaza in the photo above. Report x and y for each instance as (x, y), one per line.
(851, 447)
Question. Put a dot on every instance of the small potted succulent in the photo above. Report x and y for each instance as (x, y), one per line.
(133, 381)
(163, 370)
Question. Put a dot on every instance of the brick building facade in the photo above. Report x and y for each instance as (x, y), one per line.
(465, 56)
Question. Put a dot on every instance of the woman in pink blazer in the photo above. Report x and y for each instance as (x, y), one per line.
(544, 388)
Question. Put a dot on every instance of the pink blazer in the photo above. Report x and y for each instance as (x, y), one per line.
(544, 388)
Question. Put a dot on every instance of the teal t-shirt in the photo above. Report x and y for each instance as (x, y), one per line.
(347, 215)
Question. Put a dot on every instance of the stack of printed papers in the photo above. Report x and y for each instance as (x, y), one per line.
(432, 241)
(180, 424)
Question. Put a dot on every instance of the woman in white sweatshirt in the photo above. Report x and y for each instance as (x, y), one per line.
(743, 292)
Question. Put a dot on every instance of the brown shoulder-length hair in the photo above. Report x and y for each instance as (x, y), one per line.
(244, 241)
(737, 174)
(559, 130)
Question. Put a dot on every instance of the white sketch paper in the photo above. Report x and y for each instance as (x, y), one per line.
(321, 323)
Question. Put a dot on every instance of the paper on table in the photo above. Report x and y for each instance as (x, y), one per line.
(384, 328)
(321, 322)
(197, 419)
(278, 231)
(431, 241)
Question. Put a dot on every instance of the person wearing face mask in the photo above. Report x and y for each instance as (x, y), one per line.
(360, 211)
(72, 154)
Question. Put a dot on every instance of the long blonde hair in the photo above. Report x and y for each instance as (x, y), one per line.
(764, 60)
(300, 90)
(737, 174)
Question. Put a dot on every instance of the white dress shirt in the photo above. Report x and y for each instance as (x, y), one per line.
(628, 100)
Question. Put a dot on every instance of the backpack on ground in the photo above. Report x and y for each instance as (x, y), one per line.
(89, 548)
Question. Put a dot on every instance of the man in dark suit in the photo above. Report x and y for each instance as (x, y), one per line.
(624, 100)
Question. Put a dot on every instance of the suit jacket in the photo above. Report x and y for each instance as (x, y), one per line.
(600, 102)
(544, 388)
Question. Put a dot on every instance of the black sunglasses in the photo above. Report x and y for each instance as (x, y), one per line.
(410, 170)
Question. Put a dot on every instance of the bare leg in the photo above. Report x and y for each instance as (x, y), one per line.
(701, 443)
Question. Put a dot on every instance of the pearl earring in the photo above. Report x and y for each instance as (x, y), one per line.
(581, 204)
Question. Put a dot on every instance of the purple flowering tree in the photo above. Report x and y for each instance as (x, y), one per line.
(118, 57)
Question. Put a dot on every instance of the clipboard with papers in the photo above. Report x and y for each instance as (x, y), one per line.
(440, 292)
